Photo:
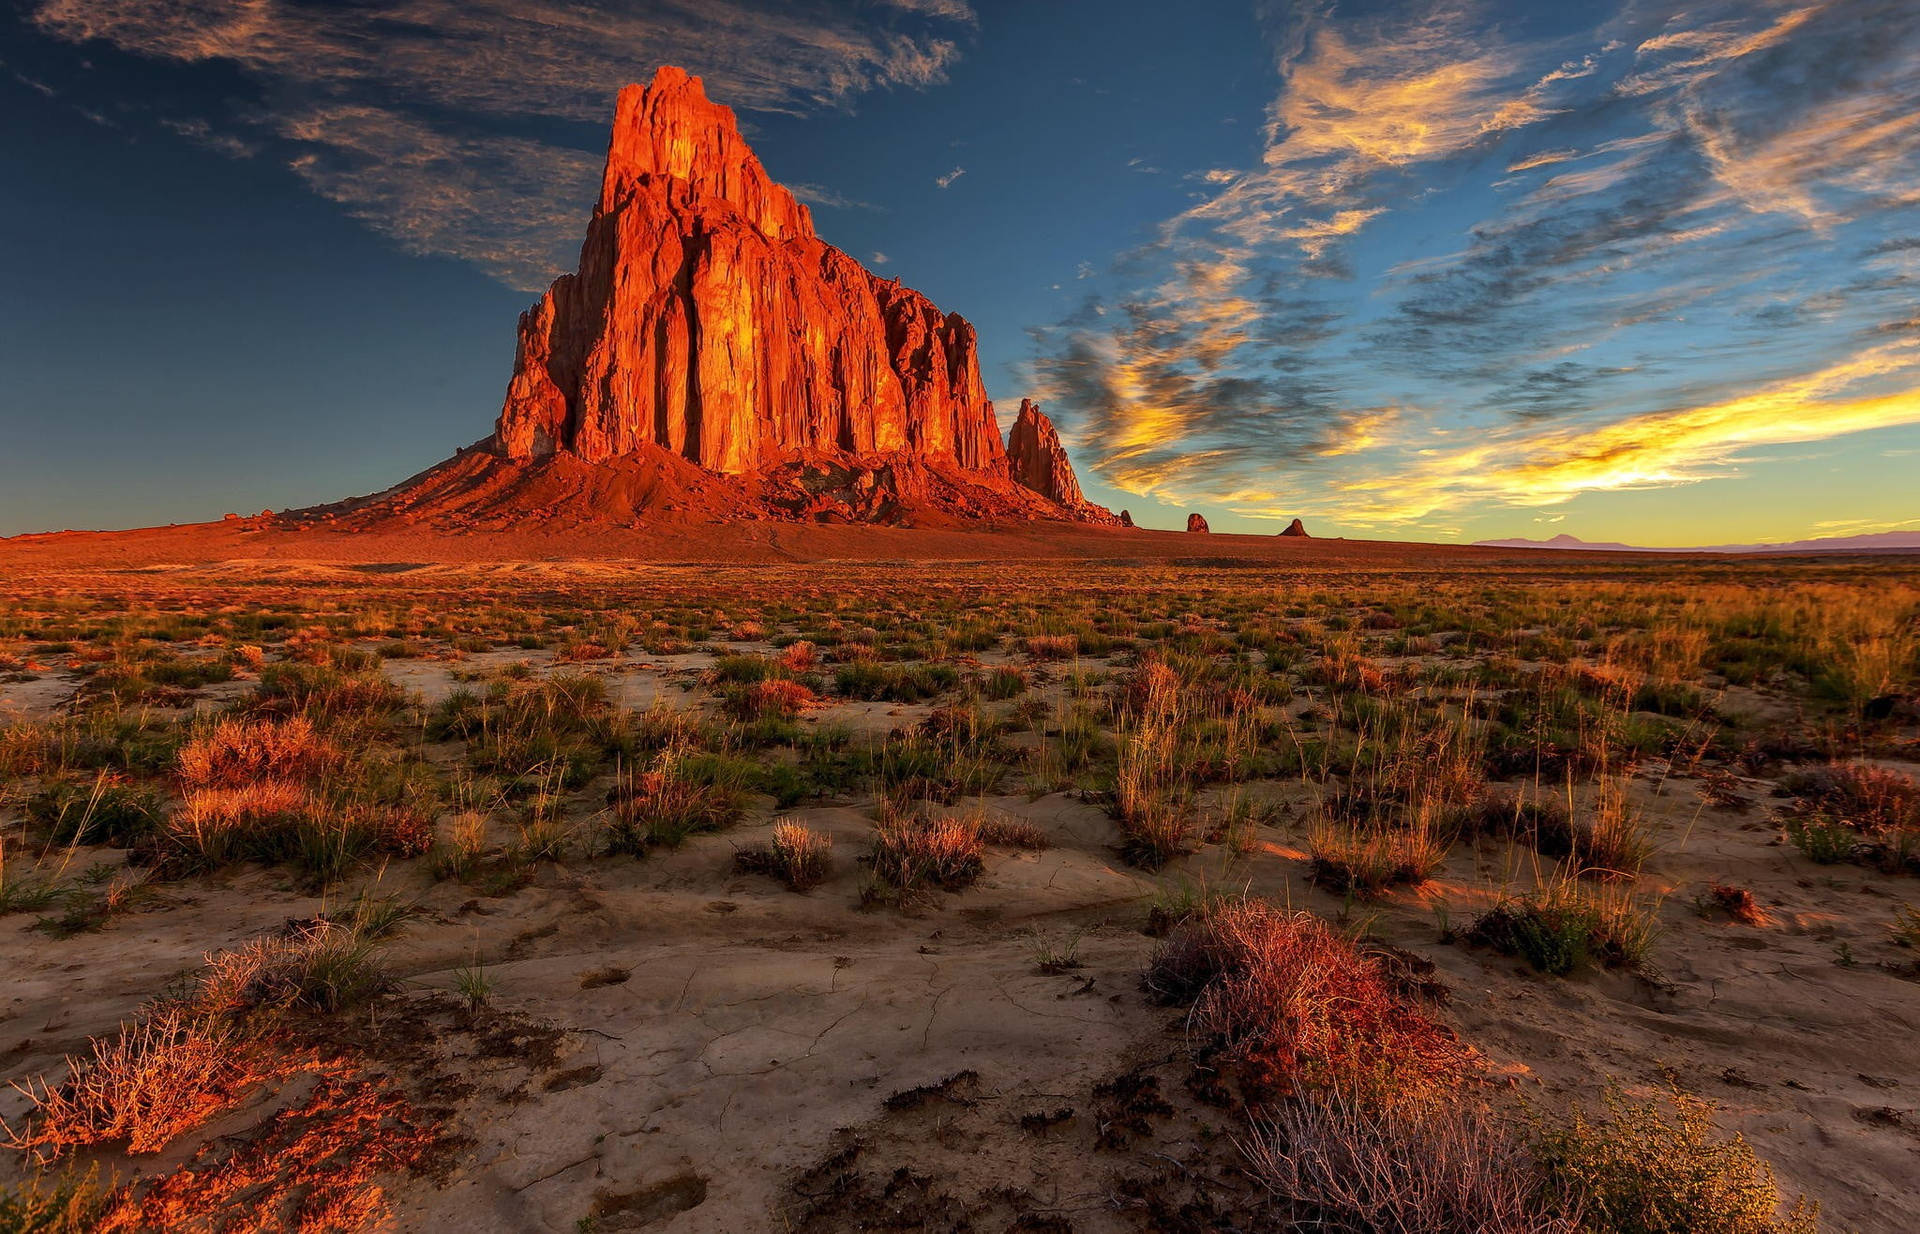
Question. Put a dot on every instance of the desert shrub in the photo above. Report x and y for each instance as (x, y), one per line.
(319, 965)
(459, 854)
(1006, 681)
(914, 766)
(238, 751)
(325, 693)
(741, 670)
(144, 1086)
(774, 698)
(529, 730)
(68, 1202)
(894, 683)
(1822, 841)
(1863, 797)
(1003, 832)
(1051, 646)
(1366, 862)
(104, 812)
(1662, 1168)
(273, 821)
(1564, 925)
(160, 679)
(667, 803)
(912, 852)
(1289, 1003)
(1342, 1163)
(797, 855)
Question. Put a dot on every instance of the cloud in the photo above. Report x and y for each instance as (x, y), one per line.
(950, 177)
(816, 195)
(445, 123)
(878, 258)
(1876, 389)
(1470, 269)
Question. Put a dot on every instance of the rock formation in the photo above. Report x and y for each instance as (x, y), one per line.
(1036, 459)
(708, 319)
(1297, 528)
(1126, 518)
(713, 360)
(1197, 522)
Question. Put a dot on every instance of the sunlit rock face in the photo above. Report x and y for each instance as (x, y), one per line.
(1197, 522)
(1036, 459)
(708, 319)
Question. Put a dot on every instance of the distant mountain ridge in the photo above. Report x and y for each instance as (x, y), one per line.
(1878, 542)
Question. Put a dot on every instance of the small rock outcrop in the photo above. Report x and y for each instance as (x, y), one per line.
(1036, 459)
(1297, 528)
(1197, 522)
(1126, 518)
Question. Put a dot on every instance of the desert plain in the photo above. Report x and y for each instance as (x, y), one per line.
(1004, 888)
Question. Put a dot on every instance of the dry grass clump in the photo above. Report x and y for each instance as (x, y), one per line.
(775, 698)
(1001, 831)
(667, 803)
(797, 855)
(1441, 1166)
(1864, 797)
(319, 965)
(1565, 925)
(1289, 1003)
(1612, 842)
(240, 751)
(158, 1077)
(68, 1202)
(1856, 812)
(911, 853)
(1051, 646)
(1155, 824)
(1366, 862)
(1663, 1168)
(276, 821)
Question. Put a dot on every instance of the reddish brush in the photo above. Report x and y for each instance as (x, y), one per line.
(1737, 903)
(1289, 1002)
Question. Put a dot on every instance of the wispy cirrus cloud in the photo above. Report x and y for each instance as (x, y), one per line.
(442, 122)
(1540, 245)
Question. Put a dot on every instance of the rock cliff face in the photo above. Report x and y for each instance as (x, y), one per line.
(1296, 528)
(708, 320)
(1036, 459)
(1197, 522)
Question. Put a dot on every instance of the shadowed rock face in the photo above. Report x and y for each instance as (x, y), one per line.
(1296, 528)
(1197, 522)
(707, 319)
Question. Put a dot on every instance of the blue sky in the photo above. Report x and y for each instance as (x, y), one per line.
(1636, 272)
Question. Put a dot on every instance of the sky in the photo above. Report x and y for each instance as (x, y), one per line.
(1639, 272)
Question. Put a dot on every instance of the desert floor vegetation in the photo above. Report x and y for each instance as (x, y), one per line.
(1077, 897)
